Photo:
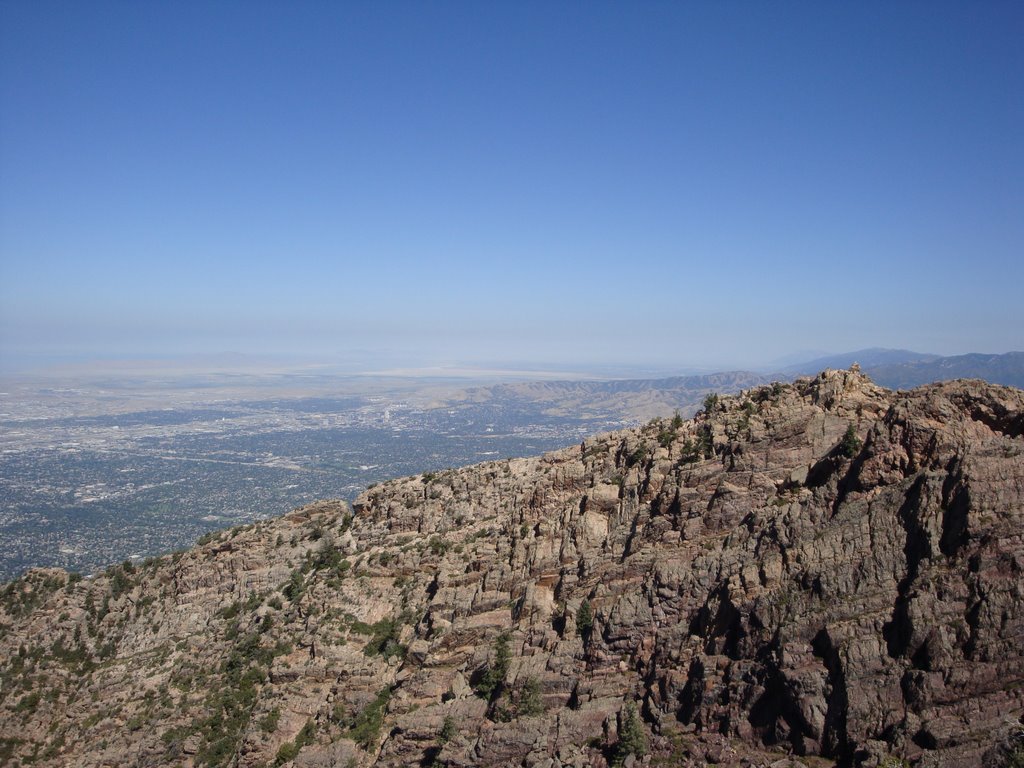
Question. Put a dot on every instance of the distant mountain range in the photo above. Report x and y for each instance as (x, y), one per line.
(903, 369)
(637, 400)
(874, 356)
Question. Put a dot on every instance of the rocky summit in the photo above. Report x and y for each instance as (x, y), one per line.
(817, 573)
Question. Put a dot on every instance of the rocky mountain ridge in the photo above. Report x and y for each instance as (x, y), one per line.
(804, 574)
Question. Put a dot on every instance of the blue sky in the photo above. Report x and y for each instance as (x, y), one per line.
(682, 184)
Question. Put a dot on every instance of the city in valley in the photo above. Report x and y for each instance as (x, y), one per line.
(97, 470)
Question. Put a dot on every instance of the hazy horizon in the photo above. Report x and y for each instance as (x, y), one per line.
(665, 186)
(238, 364)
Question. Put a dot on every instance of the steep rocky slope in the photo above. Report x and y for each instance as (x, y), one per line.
(804, 574)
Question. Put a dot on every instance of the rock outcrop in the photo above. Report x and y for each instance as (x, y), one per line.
(805, 574)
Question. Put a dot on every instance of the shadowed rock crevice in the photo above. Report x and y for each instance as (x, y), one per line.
(916, 548)
(689, 705)
(956, 505)
(834, 739)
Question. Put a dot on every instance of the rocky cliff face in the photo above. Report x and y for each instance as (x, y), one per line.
(804, 574)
